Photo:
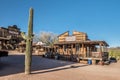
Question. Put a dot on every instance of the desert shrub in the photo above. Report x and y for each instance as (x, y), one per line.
(114, 53)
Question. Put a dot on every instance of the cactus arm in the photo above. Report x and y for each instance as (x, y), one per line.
(23, 35)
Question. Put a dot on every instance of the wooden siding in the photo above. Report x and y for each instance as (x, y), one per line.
(62, 37)
(79, 36)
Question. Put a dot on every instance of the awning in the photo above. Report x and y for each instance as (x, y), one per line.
(83, 42)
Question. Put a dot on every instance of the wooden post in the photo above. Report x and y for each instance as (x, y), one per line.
(1, 45)
(72, 48)
(75, 51)
(67, 50)
(90, 50)
(106, 49)
(58, 50)
(100, 49)
(45, 49)
(55, 49)
(63, 49)
(83, 50)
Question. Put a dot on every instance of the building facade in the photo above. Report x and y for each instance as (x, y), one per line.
(79, 46)
(10, 37)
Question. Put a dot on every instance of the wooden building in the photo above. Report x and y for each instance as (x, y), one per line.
(38, 49)
(10, 37)
(79, 46)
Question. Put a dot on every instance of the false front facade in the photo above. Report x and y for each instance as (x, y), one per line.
(78, 45)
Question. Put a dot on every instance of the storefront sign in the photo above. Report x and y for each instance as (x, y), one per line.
(70, 38)
(13, 32)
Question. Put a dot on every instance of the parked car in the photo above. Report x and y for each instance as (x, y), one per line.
(113, 60)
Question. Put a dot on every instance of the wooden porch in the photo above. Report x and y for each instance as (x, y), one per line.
(82, 51)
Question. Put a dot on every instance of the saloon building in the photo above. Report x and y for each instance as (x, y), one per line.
(10, 37)
(78, 45)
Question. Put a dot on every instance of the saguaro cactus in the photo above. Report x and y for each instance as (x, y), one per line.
(29, 38)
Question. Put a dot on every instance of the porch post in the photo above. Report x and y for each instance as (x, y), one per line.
(72, 48)
(100, 49)
(88, 50)
(63, 49)
(83, 50)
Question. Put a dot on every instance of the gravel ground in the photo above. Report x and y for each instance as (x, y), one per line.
(12, 68)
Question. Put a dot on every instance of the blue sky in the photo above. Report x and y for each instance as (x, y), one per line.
(100, 19)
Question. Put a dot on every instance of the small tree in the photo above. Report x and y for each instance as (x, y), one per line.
(48, 38)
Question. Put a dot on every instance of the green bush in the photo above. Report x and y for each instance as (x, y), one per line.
(115, 53)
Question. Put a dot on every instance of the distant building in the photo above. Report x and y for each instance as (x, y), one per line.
(40, 43)
(10, 37)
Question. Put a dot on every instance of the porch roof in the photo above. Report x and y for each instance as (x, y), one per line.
(83, 42)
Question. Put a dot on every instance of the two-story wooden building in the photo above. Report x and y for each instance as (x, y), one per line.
(79, 46)
(10, 37)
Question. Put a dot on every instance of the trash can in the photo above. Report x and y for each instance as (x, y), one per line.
(90, 61)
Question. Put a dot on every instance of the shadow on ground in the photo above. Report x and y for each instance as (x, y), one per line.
(14, 64)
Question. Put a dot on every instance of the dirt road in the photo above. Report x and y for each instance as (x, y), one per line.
(12, 68)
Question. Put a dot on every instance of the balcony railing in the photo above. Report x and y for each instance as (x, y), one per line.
(96, 54)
